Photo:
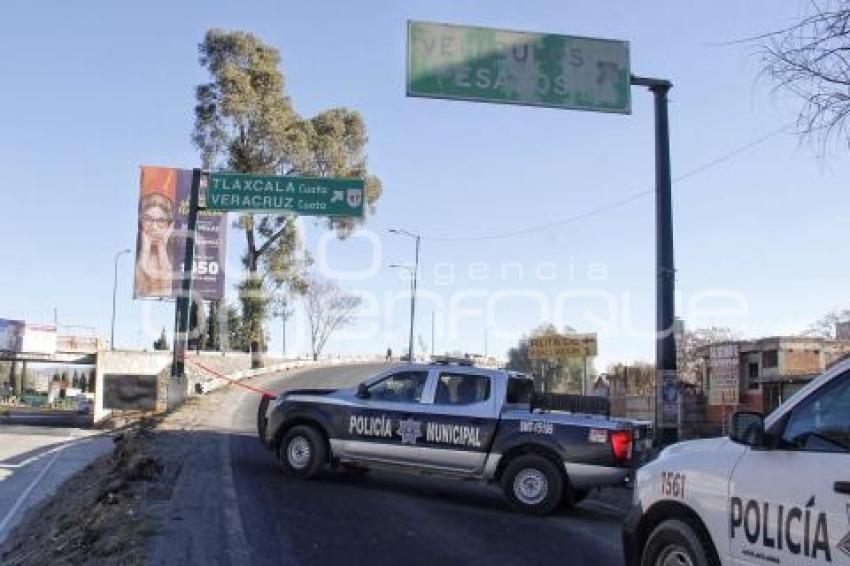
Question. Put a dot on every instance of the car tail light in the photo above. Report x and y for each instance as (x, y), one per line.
(621, 445)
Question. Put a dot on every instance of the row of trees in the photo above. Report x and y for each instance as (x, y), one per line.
(327, 306)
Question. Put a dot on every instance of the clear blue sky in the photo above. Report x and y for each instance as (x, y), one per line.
(92, 90)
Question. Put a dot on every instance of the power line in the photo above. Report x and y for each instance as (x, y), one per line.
(614, 204)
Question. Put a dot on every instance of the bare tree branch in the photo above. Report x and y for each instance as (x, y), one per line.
(811, 61)
(328, 307)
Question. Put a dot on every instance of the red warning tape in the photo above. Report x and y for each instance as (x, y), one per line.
(233, 381)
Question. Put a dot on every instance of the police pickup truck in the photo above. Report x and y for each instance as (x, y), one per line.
(452, 420)
(776, 491)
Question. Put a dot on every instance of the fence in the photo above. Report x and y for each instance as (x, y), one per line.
(697, 419)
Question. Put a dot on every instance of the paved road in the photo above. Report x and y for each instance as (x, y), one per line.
(382, 518)
(35, 460)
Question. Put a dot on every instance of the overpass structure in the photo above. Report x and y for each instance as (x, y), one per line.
(72, 350)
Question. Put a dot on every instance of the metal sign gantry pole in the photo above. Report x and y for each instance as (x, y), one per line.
(667, 388)
(184, 299)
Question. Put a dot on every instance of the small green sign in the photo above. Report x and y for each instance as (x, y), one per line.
(512, 67)
(308, 196)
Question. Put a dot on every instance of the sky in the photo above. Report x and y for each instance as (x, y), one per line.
(93, 90)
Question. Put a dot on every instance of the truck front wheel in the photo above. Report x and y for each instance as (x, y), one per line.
(533, 485)
(674, 542)
(302, 452)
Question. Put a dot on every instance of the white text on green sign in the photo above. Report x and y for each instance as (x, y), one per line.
(492, 65)
(311, 196)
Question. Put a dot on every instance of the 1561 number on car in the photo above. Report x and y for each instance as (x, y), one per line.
(673, 484)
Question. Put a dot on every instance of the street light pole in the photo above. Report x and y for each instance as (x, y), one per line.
(417, 238)
(114, 296)
(433, 334)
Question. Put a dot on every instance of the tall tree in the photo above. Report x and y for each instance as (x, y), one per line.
(245, 123)
(826, 326)
(811, 61)
(556, 373)
(328, 307)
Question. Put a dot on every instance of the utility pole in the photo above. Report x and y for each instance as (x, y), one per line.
(667, 381)
(114, 298)
(433, 334)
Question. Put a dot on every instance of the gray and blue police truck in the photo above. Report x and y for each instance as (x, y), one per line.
(775, 491)
(458, 421)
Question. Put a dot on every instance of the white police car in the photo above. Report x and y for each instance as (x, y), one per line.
(776, 491)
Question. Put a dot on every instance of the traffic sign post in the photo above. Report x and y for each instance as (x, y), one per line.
(306, 196)
(578, 73)
(184, 299)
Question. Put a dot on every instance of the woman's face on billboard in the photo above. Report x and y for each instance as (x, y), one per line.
(156, 222)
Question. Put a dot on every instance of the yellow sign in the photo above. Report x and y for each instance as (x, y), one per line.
(562, 346)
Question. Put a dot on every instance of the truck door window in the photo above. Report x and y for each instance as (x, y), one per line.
(461, 389)
(822, 422)
(402, 387)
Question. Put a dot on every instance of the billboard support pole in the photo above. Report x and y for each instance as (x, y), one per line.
(665, 314)
(184, 299)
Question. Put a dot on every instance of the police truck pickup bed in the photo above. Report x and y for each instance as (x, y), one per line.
(459, 421)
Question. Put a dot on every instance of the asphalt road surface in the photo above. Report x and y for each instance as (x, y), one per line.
(385, 518)
(35, 460)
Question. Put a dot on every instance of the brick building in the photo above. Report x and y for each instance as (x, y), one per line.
(771, 369)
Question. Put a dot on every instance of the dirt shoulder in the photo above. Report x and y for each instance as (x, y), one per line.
(124, 505)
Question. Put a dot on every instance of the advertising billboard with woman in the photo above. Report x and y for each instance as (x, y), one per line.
(161, 238)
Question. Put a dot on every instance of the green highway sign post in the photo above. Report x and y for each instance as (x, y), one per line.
(306, 196)
(513, 67)
(577, 73)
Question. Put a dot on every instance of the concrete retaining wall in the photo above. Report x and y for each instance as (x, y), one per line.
(234, 365)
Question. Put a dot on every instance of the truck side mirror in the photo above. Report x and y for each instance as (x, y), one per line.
(747, 428)
(362, 391)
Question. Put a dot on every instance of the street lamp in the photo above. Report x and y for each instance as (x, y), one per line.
(114, 295)
(411, 275)
(284, 312)
(416, 237)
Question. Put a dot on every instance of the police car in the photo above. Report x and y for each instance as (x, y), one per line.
(457, 421)
(776, 491)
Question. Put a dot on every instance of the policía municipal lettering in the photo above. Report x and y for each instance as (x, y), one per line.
(380, 426)
(453, 434)
(800, 531)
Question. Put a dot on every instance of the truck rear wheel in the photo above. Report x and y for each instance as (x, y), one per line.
(532, 484)
(302, 452)
(674, 543)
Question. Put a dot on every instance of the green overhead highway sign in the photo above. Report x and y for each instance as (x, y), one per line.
(512, 67)
(308, 196)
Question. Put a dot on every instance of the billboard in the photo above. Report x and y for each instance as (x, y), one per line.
(161, 238)
(724, 374)
(11, 334)
(562, 346)
(38, 339)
